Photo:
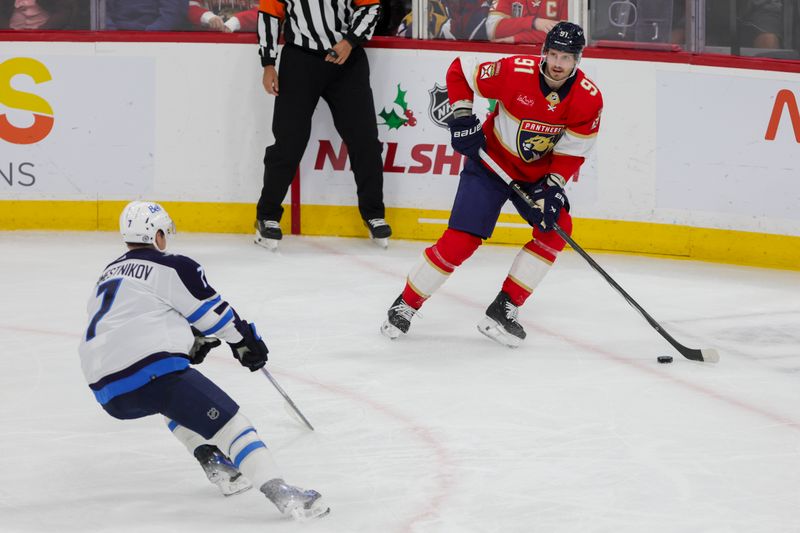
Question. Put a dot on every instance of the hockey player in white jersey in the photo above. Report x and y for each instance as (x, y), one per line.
(151, 315)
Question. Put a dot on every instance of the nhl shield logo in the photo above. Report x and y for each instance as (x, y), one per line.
(439, 109)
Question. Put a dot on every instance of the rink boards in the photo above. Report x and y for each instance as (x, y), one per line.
(693, 161)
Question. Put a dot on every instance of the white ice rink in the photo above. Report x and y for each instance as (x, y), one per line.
(579, 430)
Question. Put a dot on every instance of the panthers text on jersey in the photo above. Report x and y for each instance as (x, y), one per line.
(533, 130)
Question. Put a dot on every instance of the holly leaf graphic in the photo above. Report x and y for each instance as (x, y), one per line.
(400, 99)
(392, 119)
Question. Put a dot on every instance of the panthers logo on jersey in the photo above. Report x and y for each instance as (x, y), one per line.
(536, 139)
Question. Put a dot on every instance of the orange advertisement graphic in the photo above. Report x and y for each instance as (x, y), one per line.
(43, 119)
(784, 99)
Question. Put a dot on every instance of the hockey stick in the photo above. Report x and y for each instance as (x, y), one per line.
(709, 355)
(286, 397)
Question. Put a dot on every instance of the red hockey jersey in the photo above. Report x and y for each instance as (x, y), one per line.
(511, 21)
(533, 130)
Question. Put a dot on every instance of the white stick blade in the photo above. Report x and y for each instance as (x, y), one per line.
(710, 355)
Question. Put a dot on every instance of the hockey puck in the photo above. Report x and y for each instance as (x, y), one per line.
(664, 358)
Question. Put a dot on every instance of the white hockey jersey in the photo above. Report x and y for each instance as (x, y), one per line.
(139, 317)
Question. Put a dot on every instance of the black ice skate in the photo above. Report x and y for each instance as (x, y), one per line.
(379, 231)
(500, 323)
(268, 233)
(295, 502)
(399, 319)
(221, 471)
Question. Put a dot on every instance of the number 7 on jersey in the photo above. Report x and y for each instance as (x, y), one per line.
(108, 290)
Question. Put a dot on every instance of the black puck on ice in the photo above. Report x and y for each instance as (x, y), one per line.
(664, 358)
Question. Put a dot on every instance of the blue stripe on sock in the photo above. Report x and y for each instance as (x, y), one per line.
(239, 436)
(247, 450)
(173, 425)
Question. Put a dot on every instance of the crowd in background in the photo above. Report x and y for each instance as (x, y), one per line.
(760, 26)
(44, 14)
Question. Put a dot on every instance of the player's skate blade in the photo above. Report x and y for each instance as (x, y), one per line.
(295, 502)
(495, 331)
(231, 486)
(390, 331)
(269, 244)
(383, 243)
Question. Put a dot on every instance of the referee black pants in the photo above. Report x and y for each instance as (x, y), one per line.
(303, 78)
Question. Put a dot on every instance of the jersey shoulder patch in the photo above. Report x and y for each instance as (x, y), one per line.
(489, 70)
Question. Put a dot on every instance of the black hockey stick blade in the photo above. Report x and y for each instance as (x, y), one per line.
(708, 355)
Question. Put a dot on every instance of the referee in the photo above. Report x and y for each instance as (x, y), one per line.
(321, 58)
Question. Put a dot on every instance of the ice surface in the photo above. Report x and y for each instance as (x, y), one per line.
(578, 430)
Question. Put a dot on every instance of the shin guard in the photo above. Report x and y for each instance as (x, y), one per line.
(188, 438)
(239, 441)
(438, 262)
(534, 260)
(528, 269)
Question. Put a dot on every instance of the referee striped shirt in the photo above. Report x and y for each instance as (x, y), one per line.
(314, 24)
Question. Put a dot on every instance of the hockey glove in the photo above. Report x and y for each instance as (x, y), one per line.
(466, 136)
(554, 200)
(549, 196)
(202, 345)
(533, 215)
(251, 351)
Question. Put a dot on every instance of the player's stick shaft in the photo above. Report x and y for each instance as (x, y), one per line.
(286, 397)
(708, 355)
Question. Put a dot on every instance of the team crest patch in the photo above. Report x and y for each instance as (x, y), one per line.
(536, 139)
(487, 71)
(439, 109)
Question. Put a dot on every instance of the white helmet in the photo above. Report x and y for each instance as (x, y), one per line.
(140, 221)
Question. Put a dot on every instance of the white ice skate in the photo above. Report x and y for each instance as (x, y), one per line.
(268, 233)
(295, 502)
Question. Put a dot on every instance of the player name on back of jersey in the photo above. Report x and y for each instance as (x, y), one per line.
(131, 270)
(541, 127)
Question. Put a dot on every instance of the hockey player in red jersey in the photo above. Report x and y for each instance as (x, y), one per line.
(525, 21)
(543, 127)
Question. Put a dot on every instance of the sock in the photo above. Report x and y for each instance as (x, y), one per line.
(438, 262)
